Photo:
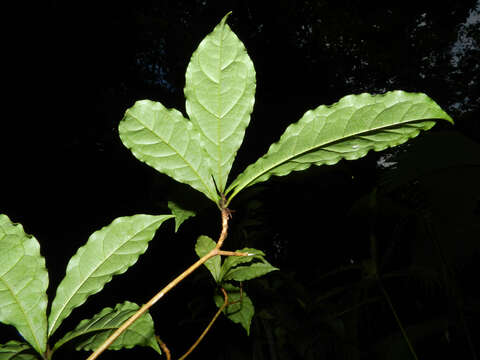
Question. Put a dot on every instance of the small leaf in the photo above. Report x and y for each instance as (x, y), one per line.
(203, 246)
(180, 214)
(347, 129)
(248, 272)
(242, 311)
(91, 333)
(168, 142)
(15, 350)
(220, 93)
(108, 252)
(23, 284)
(232, 261)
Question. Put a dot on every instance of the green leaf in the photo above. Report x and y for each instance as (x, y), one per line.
(242, 311)
(347, 129)
(220, 93)
(248, 272)
(108, 252)
(168, 142)
(232, 261)
(15, 350)
(23, 284)
(180, 214)
(91, 333)
(203, 246)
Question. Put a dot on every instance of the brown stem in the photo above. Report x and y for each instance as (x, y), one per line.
(200, 338)
(215, 251)
(164, 347)
(232, 253)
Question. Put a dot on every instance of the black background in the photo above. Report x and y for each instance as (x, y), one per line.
(72, 70)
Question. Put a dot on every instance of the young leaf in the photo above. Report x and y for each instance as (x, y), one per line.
(15, 350)
(232, 261)
(220, 92)
(248, 272)
(168, 142)
(242, 311)
(180, 214)
(108, 252)
(202, 247)
(347, 129)
(23, 284)
(91, 333)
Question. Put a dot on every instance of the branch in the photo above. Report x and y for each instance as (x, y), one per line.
(200, 338)
(226, 214)
(164, 347)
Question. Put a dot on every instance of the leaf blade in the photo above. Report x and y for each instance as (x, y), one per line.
(219, 92)
(242, 311)
(15, 350)
(232, 261)
(109, 251)
(347, 129)
(23, 284)
(165, 140)
(91, 333)
(203, 246)
(252, 271)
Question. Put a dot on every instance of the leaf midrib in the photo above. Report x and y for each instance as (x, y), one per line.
(30, 325)
(239, 187)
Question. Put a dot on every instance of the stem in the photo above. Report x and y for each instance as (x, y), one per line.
(200, 338)
(164, 347)
(215, 251)
(399, 323)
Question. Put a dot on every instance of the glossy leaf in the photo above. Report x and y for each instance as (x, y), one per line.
(23, 284)
(15, 350)
(108, 252)
(248, 272)
(241, 311)
(180, 214)
(202, 247)
(220, 93)
(91, 333)
(168, 142)
(347, 129)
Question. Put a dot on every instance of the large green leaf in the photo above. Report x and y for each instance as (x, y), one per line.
(347, 129)
(15, 350)
(168, 142)
(91, 333)
(220, 93)
(108, 252)
(23, 284)
(240, 310)
(203, 246)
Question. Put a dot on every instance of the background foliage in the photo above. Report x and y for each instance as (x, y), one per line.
(75, 71)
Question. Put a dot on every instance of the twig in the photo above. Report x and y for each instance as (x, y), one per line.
(200, 338)
(399, 323)
(164, 347)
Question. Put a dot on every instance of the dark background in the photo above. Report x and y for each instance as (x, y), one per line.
(72, 70)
